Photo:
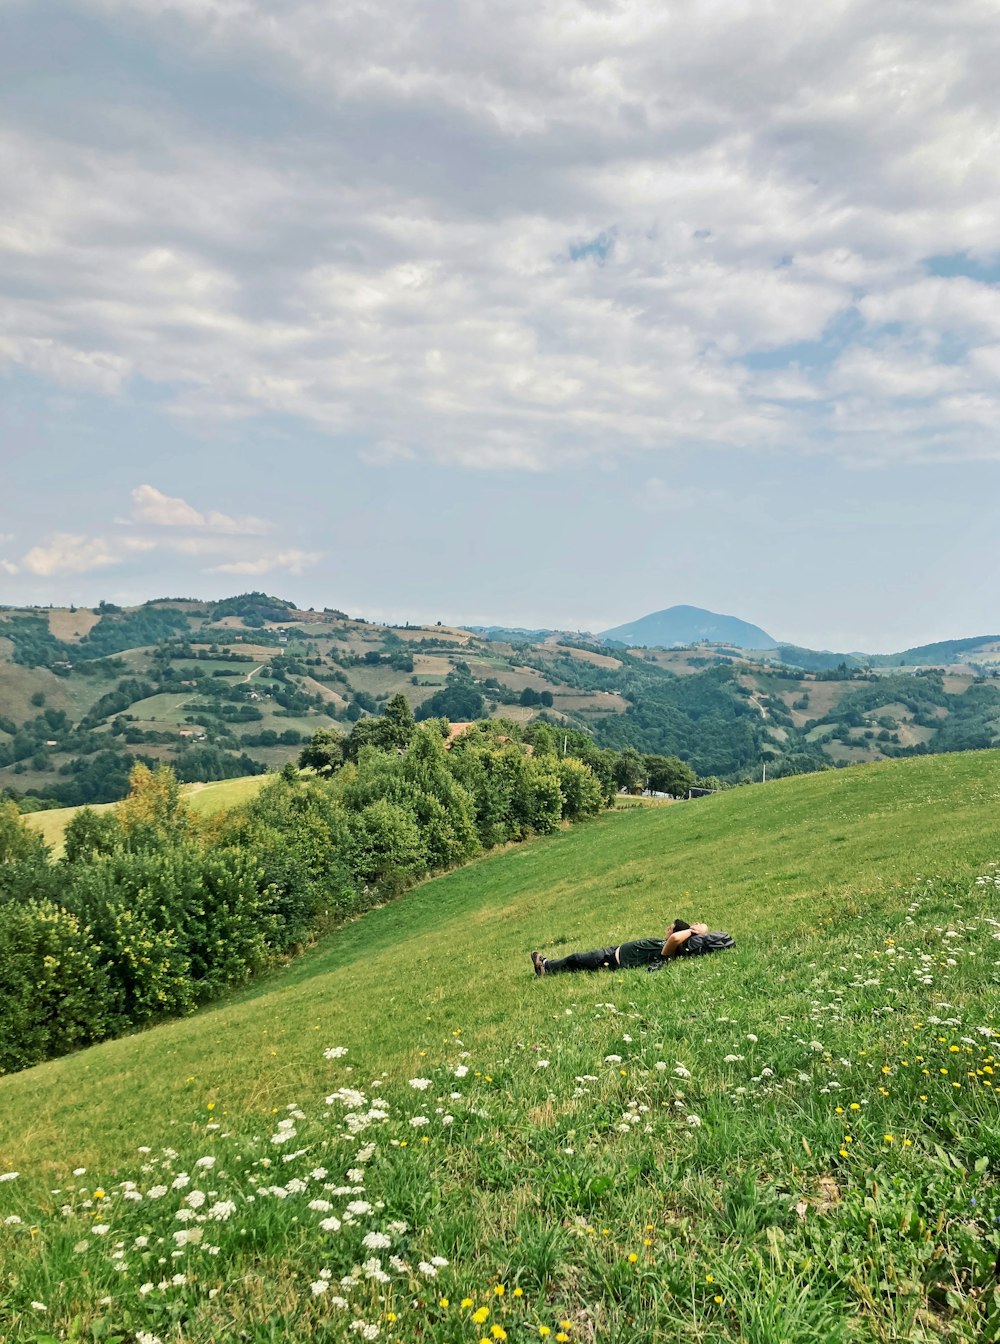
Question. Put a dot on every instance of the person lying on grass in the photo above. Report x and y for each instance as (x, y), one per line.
(681, 940)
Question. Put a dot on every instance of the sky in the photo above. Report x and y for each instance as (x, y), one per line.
(548, 313)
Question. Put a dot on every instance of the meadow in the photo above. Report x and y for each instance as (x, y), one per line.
(204, 799)
(406, 1136)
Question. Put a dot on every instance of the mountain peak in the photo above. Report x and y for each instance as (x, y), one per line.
(680, 625)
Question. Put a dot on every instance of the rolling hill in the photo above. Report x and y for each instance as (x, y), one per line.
(223, 690)
(796, 1140)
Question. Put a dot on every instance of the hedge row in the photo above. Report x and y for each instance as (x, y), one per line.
(151, 912)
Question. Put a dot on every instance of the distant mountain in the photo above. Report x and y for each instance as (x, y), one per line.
(678, 626)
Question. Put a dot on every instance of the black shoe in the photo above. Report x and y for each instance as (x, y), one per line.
(538, 961)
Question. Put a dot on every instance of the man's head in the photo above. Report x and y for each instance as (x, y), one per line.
(679, 925)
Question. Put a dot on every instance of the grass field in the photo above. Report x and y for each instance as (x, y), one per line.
(797, 1141)
(204, 799)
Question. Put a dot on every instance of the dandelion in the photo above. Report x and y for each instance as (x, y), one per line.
(498, 1332)
(480, 1315)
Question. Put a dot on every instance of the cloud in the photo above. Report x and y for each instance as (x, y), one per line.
(292, 562)
(73, 553)
(150, 505)
(516, 238)
(656, 496)
(9, 567)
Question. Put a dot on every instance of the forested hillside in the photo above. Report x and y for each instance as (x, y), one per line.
(226, 689)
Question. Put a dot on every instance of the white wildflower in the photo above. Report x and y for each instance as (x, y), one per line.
(694, 1121)
(206, 1162)
(420, 1084)
(376, 1241)
(319, 1287)
(330, 1224)
(335, 1052)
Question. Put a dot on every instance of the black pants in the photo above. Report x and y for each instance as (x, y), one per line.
(582, 961)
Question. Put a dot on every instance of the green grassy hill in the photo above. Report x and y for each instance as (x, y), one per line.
(219, 690)
(796, 1141)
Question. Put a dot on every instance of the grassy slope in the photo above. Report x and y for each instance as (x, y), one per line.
(204, 799)
(809, 874)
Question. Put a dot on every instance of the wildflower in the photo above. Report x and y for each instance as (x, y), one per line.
(335, 1052)
(330, 1224)
(544, 1330)
(376, 1241)
(101, 1230)
(461, 1070)
(632, 1258)
(417, 1120)
(682, 1072)
(145, 1288)
(427, 1269)
(518, 1292)
(40, 1306)
(499, 1290)
(13, 1175)
(717, 1300)
(319, 1287)
(206, 1162)
(466, 1302)
(420, 1084)
(498, 1332)
(444, 1302)
(539, 1064)
(480, 1316)
(694, 1121)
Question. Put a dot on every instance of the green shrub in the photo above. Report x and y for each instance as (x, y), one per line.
(581, 789)
(54, 994)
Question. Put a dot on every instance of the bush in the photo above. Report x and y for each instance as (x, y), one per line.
(581, 789)
(54, 994)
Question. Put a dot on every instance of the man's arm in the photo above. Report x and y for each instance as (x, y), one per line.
(674, 942)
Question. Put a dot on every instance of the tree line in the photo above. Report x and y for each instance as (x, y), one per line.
(153, 911)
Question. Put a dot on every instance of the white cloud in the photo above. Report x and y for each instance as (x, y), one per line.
(657, 496)
(150, 505)
(292, 562)
(9, 567)
(521, 236)
(73, 553)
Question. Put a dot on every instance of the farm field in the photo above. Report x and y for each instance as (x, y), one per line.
(796, 1141)
(205, 799)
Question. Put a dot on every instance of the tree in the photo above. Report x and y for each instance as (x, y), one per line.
(630, 770)
(669, 774)
(325, 753)
(397, 724)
